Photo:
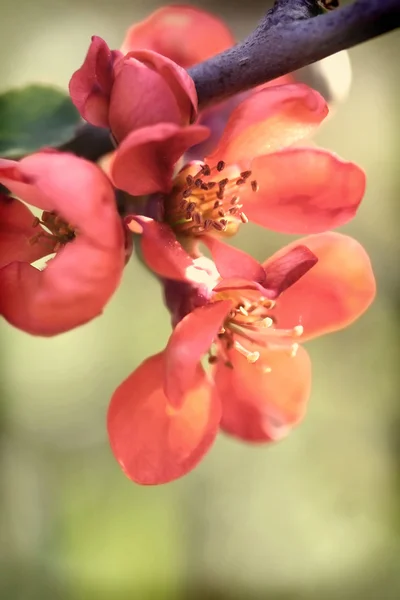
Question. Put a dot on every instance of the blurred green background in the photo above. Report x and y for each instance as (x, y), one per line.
(314, 517)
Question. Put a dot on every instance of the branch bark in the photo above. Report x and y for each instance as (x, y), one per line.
(292, 35)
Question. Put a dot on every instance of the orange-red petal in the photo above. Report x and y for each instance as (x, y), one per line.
(148, 89)
(145, 160)
(72, 289)
(334, 293)
(322, 191)
(90, 86)
(189, 341)
(262, 401)
(161, 250)
(79, 281)
(269, 120)
(152, 442)
(233, 262)
(185, 34)
(17, 233)
(288, 268)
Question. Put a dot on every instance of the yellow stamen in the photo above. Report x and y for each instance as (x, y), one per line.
(251, 357)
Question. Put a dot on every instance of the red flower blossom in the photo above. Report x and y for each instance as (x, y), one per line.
(127, 92)
(185, 34)
(205, 35)
(288, 189)
(80, 223)
(165, 415)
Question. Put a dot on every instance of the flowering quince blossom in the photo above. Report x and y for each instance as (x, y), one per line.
(204, 35)
(249, 319)
(253, 174)
(185, 34)
(127, 92)
(79, 223)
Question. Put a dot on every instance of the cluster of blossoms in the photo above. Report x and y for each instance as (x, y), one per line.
(234, 360)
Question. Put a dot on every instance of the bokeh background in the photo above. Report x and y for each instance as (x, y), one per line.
(314, 517)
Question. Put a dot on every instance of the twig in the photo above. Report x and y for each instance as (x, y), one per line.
(286, 40)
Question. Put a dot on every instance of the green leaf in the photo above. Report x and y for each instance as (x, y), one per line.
(33, 117)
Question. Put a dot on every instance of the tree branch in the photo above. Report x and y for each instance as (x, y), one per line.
(292, 34)
(286, 40)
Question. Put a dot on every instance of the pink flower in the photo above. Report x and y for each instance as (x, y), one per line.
(250, 320)
(81, 224)
(266, 177)
(127, 92)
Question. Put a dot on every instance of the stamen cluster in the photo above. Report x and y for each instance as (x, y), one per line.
(199, 204)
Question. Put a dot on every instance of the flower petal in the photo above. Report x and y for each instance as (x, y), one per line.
(79, 281)
(73, 288)
(185, 34)
(334, 293)
(75, 188)
(269, 120)
(145, 160)
(235, 285)
(189, 341)
(161, 250)
(322, 192)
(182, 297)
(232, 262)
(261, 401)
(16, 232)
(288, 268)
(153, 443)
(90, 86)
(149, 89)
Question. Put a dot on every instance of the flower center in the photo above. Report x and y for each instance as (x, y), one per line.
(252, 323)
(202, 201)
(57, 228)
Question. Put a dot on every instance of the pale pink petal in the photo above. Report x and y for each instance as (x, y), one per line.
(17, 234)
(145, 160)
(152, 442)
(185, 34)
(334, 293)
(150, 89)
(269, 120)
(189, 341)
(262, 401)
(232, 262)
(161, 250)
(90, 86)
(303, 190)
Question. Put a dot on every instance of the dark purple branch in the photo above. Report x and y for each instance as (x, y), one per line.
(293, 34)
(90, 142)
(286, 41)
